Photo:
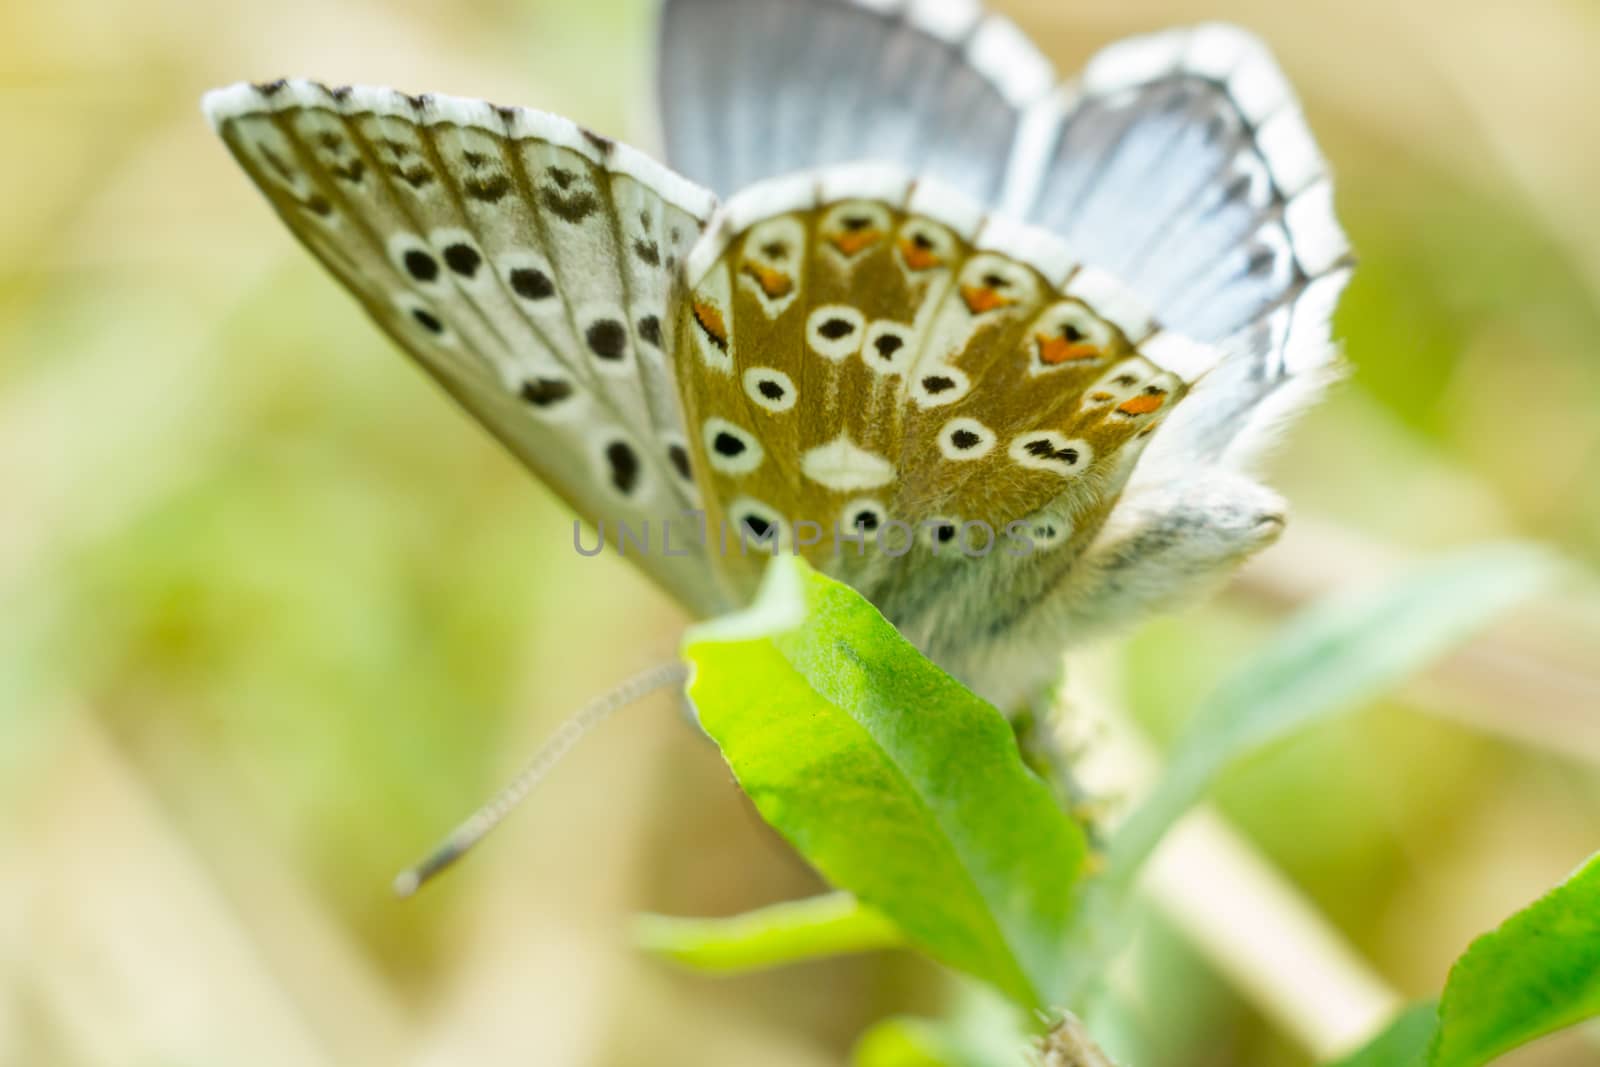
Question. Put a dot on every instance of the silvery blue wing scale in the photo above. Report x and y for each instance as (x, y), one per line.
(943, 296)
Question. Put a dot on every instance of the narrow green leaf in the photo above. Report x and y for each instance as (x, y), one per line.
(1537, 973)
(891, 778)
(829, 925)
(1334, 656)
(1403, 1043)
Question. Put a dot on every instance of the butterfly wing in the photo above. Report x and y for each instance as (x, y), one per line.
(529, 266)
(877, 357)
(1181, 163)
(751, 89)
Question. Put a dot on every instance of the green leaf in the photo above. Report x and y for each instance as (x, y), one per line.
(1537, 973)
(1403, 1043)
(1336, 655)
(907, 1042)
(903, 1041)
(829, 925)
(891, 778)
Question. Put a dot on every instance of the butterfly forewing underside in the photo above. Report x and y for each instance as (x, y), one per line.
(530, 267)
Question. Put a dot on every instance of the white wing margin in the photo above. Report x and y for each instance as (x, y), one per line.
(1182, 163)
(753, 89)
(530, 266)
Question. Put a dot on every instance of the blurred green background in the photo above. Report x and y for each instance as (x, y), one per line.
(273, 615)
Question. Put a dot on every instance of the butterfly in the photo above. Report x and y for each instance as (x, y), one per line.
(897, 279)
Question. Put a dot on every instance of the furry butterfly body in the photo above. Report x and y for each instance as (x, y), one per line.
(944, 302)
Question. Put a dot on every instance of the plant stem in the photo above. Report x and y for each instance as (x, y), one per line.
(1256, 928)
(1069, 1045)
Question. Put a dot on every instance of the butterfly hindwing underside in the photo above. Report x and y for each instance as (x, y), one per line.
(860, 350)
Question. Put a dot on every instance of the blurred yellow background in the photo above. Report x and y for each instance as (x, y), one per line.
(275, 616)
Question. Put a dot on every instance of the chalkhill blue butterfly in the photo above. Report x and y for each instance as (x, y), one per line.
(995, 351)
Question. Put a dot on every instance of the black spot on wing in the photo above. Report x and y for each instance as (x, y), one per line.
(679, 456)
(1046, 449)
(489, 190)
(650, 330)
(530, 283)
(421, 266)
(415, 175)
(573, 207)
(565, 196)
(351, 172)
(607, 339)
(624, 464)
(545, 392)
(463, 259)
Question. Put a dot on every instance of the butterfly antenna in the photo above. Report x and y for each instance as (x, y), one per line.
(486, 818)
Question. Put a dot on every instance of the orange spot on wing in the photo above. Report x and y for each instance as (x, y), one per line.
(917, 257)
(1143, 404)
(981, 298)
(852, 241)
(774, 283)
(711, 321)
(1058, 350)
